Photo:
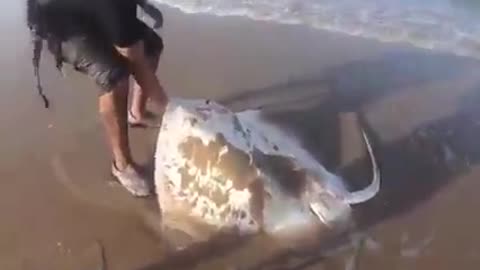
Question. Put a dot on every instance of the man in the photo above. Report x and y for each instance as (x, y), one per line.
(104, 40)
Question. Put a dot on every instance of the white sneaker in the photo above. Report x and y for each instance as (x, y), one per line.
(131, 180)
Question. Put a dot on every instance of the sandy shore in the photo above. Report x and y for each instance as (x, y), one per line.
(58, 209)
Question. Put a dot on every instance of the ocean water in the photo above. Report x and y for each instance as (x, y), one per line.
(451, 26)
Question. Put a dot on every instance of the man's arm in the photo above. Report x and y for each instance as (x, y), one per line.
(126, 31)
(143, 73)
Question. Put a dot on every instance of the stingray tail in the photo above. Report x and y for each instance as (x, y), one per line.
(369, 192)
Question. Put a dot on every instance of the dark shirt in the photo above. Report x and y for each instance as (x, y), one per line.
(113, 20)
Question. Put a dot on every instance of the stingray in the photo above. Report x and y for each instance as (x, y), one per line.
(220, 171)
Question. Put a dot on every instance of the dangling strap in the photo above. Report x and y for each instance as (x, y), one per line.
(37, 54)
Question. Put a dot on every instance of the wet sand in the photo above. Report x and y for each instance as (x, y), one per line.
(59, 210)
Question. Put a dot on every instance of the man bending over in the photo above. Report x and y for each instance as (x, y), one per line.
(104, 40)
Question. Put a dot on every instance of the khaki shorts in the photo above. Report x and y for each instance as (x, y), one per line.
(101, 61)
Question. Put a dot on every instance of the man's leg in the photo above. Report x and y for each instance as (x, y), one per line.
(140, 97)
(102, 63)
(113, 110)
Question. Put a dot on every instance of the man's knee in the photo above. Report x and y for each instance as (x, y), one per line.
(109, 97)
(119, 86)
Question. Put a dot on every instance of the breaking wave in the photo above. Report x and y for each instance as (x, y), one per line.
(443, 25)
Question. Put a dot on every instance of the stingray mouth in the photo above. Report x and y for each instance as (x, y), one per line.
(329, 209)
(316, 210)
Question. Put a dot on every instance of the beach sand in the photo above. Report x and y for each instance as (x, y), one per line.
(59, 209)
